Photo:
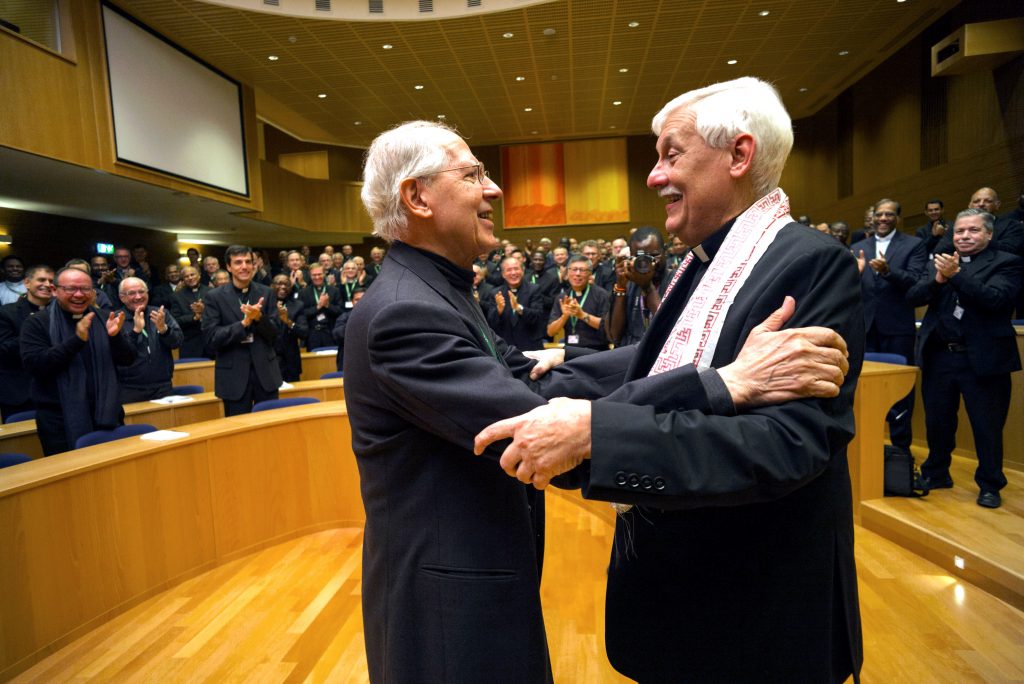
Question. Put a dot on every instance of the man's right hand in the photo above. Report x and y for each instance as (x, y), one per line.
(775, 365)
(82, 327)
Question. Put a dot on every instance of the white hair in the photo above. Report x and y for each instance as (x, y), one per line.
(410, 150)
(744, 105)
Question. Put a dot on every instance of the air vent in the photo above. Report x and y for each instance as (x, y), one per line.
(323, 5)
(426, 5)
(376, 7)
(473, 3)
(272, 3)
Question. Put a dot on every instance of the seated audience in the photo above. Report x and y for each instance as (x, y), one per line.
(154, 333)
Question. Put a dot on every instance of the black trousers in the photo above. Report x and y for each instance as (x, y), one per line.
(254, 393)
(946, 376)
(902, 412)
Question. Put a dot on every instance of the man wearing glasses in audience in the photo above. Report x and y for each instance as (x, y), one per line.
(580, 313)
(70, 350)
(154, 333)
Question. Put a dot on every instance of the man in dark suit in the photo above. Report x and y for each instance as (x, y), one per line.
(321, 304)
(516, 311)
(187, 309)
(14, 380)
(891, 262)
(735, 563)
(967, 348)
(294, 328)
(544, 278)
(240, 326)
(1007, 230)
(163, 294)
(154, 333)
(933, 231)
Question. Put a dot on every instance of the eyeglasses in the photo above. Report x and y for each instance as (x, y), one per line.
(579, 270)
(72, 290)
(481, 171)
(134, 293)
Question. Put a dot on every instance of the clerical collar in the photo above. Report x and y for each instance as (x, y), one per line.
(456, 275)
(707, 249)
(965, 258)
(239, 290)
(887, 238)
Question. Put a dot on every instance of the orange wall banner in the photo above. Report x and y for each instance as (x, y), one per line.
(556, 184)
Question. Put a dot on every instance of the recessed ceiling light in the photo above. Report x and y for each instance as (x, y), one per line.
(612, 127)
(731, 61)
(623, 70)
(901, 0)
(387, 46)
(520, 78)
(803, 90)
(633, 24)
(441, 116)
(507, 34)
(527, 109)
(322, 96)
(533, 132)
(358, 123)
(843, 53)
(763, 13)
(418, 87)
(617, 102)
(292, 39)
(549, 31)
(273, 58)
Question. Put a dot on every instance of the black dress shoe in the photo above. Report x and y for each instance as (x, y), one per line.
(930, 483)
(990, 500)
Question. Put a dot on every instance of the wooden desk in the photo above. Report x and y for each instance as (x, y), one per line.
(90, 533)
(21, 437)
(201, 372)
(880, 385)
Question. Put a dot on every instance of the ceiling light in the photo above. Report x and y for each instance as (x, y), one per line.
(623, 70)
(617, 102)
(322, 96)
(292, 39)
(418, 87)
(507, 34)
(520, 78)
(273, 58)
(612, 127)
(357, 123)
(441, 116)
(901, 0)
(633, 24)
(527, 109)
(387, 46)
(549, 32)
(731, 61)
(803, 90)
(763, 13)
(533, 132)
(843, 53)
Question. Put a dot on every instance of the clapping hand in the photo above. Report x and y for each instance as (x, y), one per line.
(159, 318)
(114, 323)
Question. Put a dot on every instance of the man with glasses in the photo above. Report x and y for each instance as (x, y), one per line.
(154, 333)
(452, 547)
(580, 312)
(70, 350)
(639, 286)
(14, 381)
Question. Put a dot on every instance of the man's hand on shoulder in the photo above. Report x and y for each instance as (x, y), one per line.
(775, 365)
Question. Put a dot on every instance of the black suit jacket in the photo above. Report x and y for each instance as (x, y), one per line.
(289, 355)
(450, 566)
(987, 289)
(181, 309)
(224, 335)
(14, 379)
(524, 330)
(738, 564)
(884, 297)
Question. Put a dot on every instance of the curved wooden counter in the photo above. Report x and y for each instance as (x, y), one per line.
(89, 533)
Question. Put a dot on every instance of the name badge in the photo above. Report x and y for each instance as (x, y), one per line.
(321, 317)
(349, 305)
(572, 339)
(247, 339)
(958, 312)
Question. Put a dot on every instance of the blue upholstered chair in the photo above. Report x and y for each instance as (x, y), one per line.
(323, 349)
(120, 432)
(282, 403)
(191, 359)
(187, 389)
(20, 416)
(882, 357)
(332, 374)
(13, 459)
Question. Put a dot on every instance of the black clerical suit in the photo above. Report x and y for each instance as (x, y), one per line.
(289, 355)
(320, 321)
(450, 554)
(547, 282)
(968, 347)
(737, 563)
(888, 317)
(162, 295)
(14, 380)
(594, 301)
(1007, 236)
(930, 240)
(191, 328)
(245, 369)
(524, 330)
(74, 384)
(149, 377)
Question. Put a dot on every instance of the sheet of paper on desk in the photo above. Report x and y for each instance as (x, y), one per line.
(172, 399)
(327, 352)
(286, 385)
(163, 435)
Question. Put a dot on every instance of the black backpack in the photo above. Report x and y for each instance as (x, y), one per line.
(900, 473)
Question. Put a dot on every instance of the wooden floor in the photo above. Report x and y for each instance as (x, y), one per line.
(291, 613)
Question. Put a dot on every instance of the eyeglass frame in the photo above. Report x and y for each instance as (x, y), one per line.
(481, 171)
(72, 289)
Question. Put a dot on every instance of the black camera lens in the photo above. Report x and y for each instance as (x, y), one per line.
(642, 263)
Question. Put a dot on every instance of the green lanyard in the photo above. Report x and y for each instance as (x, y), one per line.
(583, 300)
(349, 287)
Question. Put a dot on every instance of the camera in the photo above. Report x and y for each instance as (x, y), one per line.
(643, 262)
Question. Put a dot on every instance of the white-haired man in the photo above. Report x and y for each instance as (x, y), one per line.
(735, 562)
(452, 547)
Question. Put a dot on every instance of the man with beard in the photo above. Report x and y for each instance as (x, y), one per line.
(154, 333)
(293, 322)
(516, 310)
(187, 309)
(14, 381)
(70, 349)
(637, 292)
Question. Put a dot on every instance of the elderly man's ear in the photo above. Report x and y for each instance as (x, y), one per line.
(413, 197)
(743, 148)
